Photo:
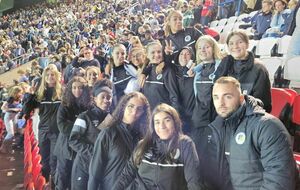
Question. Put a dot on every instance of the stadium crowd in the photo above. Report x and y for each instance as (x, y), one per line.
(139, 95)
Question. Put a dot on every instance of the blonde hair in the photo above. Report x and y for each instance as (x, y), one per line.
(13, 92)
(167, 27)
(160, 66)
(43, 86)
(213, 43)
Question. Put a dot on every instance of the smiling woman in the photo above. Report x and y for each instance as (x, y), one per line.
(249, 71)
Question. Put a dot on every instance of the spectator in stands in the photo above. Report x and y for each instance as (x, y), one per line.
(208, 12)
(197, 11)
(245, 140)
(160, 153)
(46, 102)
(187, 14)
(117, 140)
(92, 74)
(294, 49)
(79, 63)
(148, 38)
(177, 36)
(263, 20)
(279, 19)
(23, 77)
(249, 71)
(85, 131)
(161, 83)
(290, 23)
(75, 100)
(12, 106)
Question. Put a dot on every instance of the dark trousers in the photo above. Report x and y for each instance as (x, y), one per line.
(47, 143)
(80, 176)
(63, 173)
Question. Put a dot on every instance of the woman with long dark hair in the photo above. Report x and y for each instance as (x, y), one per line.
(75, 99)
(117, 141)
(85, 131)
(165, 158)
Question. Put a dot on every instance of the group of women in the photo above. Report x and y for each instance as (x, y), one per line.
(100, 134)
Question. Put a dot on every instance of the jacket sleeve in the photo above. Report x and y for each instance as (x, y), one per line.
(76, 141)
(191, 165)
(98, 161)
(171, 86)
(262, 88)
(127, 176)
(64, 125)
(276, 156)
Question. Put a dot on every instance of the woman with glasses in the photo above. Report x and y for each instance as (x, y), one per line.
(165, 158)
(117, 141)
(85, 131)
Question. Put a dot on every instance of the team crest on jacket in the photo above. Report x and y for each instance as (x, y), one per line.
(159, 77)
(240, 138)
(187, 38)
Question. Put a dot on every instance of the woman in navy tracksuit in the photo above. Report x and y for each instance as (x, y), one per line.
(86, 130)
(161, 83)
(75, 99)
(117, 141)
(208, 57)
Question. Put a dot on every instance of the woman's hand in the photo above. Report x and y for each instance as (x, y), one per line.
(168, 48)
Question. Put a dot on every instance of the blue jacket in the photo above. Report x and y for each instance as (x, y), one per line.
(262, 23)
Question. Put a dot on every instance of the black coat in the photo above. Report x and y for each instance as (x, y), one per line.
(162, 88)
(66, 117)
(252, 75)
(250, 150)
(84, 134)
(113, 149)
(156, 171)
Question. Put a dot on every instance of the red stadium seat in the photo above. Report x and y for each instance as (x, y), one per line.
(36, 172)
(296, 111)
(40, 183)
(297, 159)
(282, 102)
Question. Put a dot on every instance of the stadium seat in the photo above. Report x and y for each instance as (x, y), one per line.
(223, 22)
(214, 23)
(281, 106)
(226, 30)
(265, 46)
(297, 159)
(252, 45)
(296, 111)
(40, 183)
(291, 71)
(218, 28)
(241, 17)
(272, 64)
(283, 45)
(252, 13)
(232, 20)
(36, 172)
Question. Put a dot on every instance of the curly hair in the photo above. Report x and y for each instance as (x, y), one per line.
(68, 99)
